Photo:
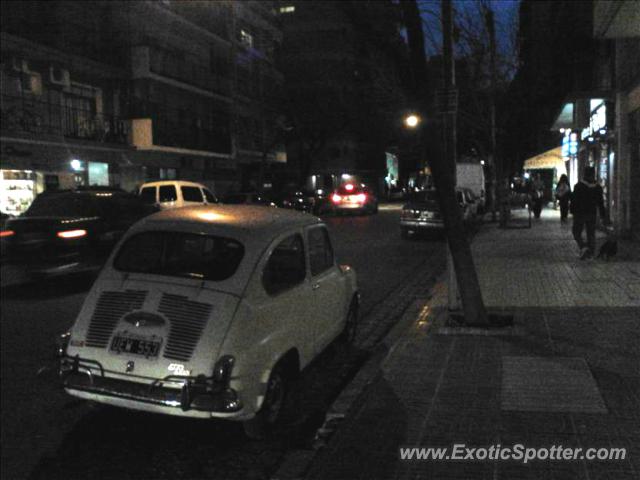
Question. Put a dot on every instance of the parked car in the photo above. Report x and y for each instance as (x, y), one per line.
(71, 230)
(353, 198)
(296, 199)
(176, 194)
(422, 212)
(210, 312)
(248, 198)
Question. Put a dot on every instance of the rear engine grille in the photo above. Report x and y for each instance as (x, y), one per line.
(188, 320)
(110, 308)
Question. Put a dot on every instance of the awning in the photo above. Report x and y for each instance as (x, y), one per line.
(549, 159)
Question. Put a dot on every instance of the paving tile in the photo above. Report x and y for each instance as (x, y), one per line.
(549, 384)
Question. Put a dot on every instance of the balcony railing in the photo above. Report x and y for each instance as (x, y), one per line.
(178, 67)
(27, 115)
(176, 128)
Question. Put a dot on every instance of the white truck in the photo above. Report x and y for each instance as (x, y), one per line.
(471, 176)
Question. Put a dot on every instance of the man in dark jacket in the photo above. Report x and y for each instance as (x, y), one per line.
(586, 200)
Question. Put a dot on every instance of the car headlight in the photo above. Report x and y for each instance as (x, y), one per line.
(223, 368)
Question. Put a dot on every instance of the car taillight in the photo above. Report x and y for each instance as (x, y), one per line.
(361, 198)
(348, 187)
(72, 233)
(6, 233)
(336, 198)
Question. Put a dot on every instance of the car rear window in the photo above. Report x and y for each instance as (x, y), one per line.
(191, 194)
(168, 193)
(179, 254)
(344, 190)
(429, 197)
(62, 205)
(211, 198)
(148, 195)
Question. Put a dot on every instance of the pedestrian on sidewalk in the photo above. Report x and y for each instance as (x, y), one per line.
(563, 194)
(586, 200)
(537, 194)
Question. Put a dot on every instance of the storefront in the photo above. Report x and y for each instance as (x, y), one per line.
(598, 150)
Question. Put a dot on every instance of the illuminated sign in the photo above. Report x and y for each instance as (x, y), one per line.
(598, 119)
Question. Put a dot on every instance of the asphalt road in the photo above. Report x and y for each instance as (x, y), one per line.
(47, 434)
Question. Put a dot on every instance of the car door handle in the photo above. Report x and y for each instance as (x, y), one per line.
(315, 286)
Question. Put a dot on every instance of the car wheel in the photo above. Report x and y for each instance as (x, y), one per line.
(275, 401)
(351, 325)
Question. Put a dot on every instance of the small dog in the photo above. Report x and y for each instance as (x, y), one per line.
(608, 249)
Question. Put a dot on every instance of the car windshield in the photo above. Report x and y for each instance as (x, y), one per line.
(179, 254)
(62, 205)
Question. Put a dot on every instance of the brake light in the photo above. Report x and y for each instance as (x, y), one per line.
(348, 187)
(361, 198)
(336, 198)
(6, 233)
(72, 233)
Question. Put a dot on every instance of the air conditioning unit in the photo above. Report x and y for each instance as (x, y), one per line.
(59, 76)
(31, 83)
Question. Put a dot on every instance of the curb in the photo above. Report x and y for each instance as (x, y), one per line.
(296, 463)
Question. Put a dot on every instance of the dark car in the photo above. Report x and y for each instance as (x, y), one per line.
(353, 198)
(296, 199)
(422, 212)
(71, 230)
(248, 198)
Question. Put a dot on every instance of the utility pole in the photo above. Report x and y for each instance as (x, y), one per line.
(448, 113)
(493, 160)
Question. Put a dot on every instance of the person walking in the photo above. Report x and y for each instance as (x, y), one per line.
(563, 194)
(587, 199)
(537, 194)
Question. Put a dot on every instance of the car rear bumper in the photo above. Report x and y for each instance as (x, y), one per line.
(188, 396)
(430, 223)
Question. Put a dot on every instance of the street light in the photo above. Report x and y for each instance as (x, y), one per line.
(411, 121)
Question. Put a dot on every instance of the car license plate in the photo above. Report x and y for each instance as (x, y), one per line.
(135, 346)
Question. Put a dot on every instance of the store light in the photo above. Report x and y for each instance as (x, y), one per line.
(562, 130)
(481, 162)
(72, 233)
(76, 165)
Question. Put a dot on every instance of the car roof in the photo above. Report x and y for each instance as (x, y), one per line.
(162, 183)
(248, 223)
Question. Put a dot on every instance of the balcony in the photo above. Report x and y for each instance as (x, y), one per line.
(178, 67)
(175, 128)
(26, 115)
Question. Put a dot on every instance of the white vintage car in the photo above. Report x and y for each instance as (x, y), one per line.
(210, 311)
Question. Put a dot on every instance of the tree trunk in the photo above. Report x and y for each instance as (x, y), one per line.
(443, 172)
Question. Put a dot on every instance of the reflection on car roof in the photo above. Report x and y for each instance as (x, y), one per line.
(248, 218)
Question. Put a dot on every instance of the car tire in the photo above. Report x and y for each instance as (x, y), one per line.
(274, 406)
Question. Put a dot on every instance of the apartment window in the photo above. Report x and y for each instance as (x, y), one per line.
(246, 38)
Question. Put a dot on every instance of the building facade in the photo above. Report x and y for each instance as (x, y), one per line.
(344, 94)
(118, 93)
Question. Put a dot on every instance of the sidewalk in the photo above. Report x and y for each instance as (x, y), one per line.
(567, 373)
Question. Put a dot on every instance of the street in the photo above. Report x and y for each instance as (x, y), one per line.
(48, 434)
